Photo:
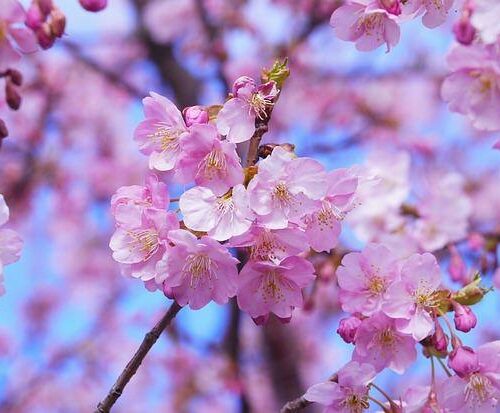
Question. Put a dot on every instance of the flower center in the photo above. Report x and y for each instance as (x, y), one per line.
(386, 338)
(266, 247)
(214, 163)
(355, 403)
(199, 268)
(166, 137)
(282, 194)
(478, 390)
(145, 241)
(370, 23)
(376, 285)
(271, 287)
(260, 104)
(425, 296)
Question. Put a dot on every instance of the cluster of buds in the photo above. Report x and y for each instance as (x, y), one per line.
(47, 22)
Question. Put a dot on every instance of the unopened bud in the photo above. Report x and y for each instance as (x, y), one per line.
(3, 130)
(464, 361)
(348, 328)
(46, 6)
(58, 22)
(44, 36)
(195, 115)
(34, 17)
(439, 339)
(465, 320)
(94, 5)
(464, 31)
(15, 76)
(457, 267)
(12, 97)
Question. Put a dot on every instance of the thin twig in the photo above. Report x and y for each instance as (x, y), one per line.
(134, 363)
(295, 405)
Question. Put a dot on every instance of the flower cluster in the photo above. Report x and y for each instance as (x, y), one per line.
(10, 242)
(396, 304)
(473, 86)
(271, 213)
(372, 23)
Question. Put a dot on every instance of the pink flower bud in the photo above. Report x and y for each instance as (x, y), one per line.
(3, 131)
(45, 6)
(34, 17)
(348, 328)
(58, 22)
(457, 267)
(464, 31)
(195, 115)
(392, 6)
(94, 5)
(168, 292)
(465, 319)
(439, 339)
(12, 96)
(44, 36)
(464, 361)
(244, 86)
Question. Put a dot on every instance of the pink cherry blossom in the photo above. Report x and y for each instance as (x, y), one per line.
(435, 11)
(349, 394)
(285, 188)
(379, 343)
(236, 120)
(272, 245)
(411, 299)
(139, 249)
(367, 23)
(197, 271)
(365, 277)
(160, 135)
(266, 287)
(209, 161)
(479, 389)
(323, 226)
(129, 202)
(485, 19)
(10, 242)
(348, 328)
(473, 87)
(15, 37)
(222, 217)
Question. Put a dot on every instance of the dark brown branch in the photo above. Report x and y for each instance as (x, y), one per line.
(295, 405)
(134, 363)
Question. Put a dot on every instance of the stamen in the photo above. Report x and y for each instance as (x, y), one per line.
(145, 241)
(199, 268)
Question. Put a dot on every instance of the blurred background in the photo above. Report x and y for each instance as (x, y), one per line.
(69, 321)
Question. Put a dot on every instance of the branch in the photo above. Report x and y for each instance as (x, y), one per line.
(295, 405)
(134, 363)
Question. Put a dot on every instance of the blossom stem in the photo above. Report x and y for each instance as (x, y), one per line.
(433, 372)
(383, 393)
(444, 367)
(131, 368)
(378, 402)
(448, 324)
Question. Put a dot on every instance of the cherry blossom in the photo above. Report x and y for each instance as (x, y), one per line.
(196, 271)
(237, 117)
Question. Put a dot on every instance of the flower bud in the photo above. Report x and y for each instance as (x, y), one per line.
(34, 17)
(465, 319)
(3, 131)
(58, 22)
(195, 115)
(244, 86)
(348, 328)
(463, 360)
(45, 6)
(439, 339)
(94, 5)
(44, 36)
(15, 76)
(464, 31)
(12, 97)
(392, 6)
